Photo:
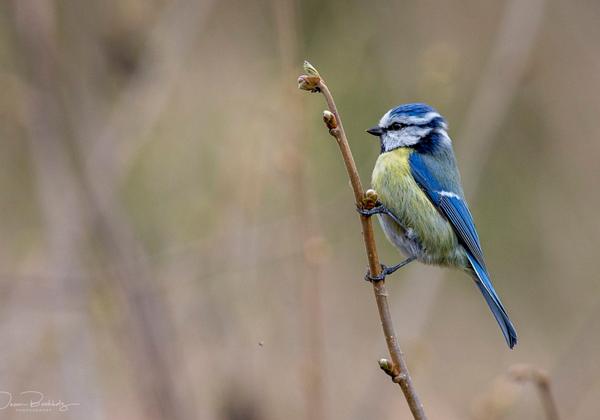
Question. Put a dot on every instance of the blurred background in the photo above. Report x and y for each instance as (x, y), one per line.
(179, 238)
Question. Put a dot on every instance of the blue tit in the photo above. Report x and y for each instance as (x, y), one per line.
(422, 208)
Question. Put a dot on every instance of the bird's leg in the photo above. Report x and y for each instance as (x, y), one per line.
(382, 209)
(379, 209)
(394, 268)
(388, 270)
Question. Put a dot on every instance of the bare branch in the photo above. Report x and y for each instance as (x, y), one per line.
(397, 368)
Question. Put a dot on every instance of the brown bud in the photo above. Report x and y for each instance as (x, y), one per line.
(370, 199)
(386, 366)
(371, 195)
(310, 83)
(329, 120)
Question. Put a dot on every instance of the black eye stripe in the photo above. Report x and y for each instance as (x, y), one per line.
(396, 126)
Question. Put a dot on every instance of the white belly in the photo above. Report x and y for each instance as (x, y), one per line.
(405, 240)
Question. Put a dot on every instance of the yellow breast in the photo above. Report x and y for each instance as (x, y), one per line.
(394, 163)
(393, 180)
(400, 193)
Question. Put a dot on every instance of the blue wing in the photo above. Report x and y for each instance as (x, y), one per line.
(448, 197)
(460, 217)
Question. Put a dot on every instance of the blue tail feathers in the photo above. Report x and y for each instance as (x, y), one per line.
(493, 301)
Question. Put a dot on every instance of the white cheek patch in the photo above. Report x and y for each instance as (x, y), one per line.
(408, 136)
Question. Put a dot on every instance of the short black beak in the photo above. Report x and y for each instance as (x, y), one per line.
(375, 131)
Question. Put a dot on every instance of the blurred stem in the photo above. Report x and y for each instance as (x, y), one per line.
(61, 205)
(541, 380)
(502, 76)
(308, 273)
(512, 48)
(502, 395)
(398, 369)
(146, 330)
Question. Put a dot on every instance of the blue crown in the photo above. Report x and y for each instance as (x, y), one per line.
(415, 114)
(413, 110)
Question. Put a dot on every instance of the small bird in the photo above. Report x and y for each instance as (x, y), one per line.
(421, 207)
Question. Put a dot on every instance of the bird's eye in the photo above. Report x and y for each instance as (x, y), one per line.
(396, 126)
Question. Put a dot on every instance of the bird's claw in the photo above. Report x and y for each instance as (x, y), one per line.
(379, 277)
(378, 209)
(385, 270)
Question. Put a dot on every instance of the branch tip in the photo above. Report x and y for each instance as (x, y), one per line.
(310, 69)
(311, 80)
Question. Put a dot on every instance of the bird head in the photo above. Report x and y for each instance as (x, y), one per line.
(416, 125)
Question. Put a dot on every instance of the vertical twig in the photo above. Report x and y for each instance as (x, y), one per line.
(397, 368)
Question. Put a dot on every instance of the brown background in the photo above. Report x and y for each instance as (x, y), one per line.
(178, 235)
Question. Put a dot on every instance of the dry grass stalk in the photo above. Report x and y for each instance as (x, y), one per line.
(504, 392)
(541, 380)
